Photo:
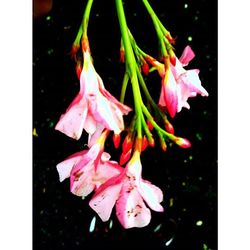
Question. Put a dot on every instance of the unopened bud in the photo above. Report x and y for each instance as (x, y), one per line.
(116, 140)
(170, 38)
(163, 144)
(145, 68)
(122, 55)
(182, 142)
(127, 144)
(151, 142)
(78, 70)
(169, 127)
(144, 143)
(74, 50)
(125, 157)
(150, 126)
(172, 57)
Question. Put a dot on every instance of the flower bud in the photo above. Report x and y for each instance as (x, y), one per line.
(182, 142)
(145, 68)
(144, 143)
(127, 144)
(169, 127)
(116, 140)
(122, 55)
(125, 156)
(163, 144)
(172, 57)
(170, 38)
(78, 70)
(151, 142)
(150, 126)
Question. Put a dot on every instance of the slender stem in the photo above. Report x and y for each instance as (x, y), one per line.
(130, 64)
(156, 126)
(124, 87)
(85, 19)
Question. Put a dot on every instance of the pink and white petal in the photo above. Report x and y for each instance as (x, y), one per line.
(162, 97)
(152, 195)
(90, 124)
(105, 197)
(193, 80)
(105, 171)
(92, 138)
(131, 210)
(103, 113)
(170, 94)
(187, 56)
(64, 168)
(82, 185)
(124, 108)
(72, 122)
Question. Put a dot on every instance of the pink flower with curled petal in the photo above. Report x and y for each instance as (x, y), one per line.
(93, 107)
(179, 84)
(129, 193)
(88, 169)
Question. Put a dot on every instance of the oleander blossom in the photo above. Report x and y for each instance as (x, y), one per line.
(94, 107)
(88, 169)
(179, 84)
(129, 193)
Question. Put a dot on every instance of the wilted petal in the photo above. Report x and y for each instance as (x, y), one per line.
(130, 208)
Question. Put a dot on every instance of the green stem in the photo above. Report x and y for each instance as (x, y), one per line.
(124, 87)
(130, 64)
(156, 126)
(85, 19)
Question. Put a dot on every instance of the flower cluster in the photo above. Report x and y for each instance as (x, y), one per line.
(96, 111)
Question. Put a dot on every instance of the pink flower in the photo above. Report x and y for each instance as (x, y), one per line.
(179, 84)
(88, 169)
(93, 107)
(129, 192)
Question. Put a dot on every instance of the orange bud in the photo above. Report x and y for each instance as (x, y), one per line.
(163, 144)
(144, 143)
(170, 38)
(127, 144)
(78, 70)
(151, 142)
(172, 57)
(182, 142)
(145, 68)
(150, 126)
(122, 55)
(116, 140)
(169, 127)
(125, 157)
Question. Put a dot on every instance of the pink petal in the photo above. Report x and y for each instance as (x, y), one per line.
(104, 112)
(105, 197)
(83, 184)
(93, 137)
(105, 171)
(187, 56)
(124, 109)
(152, 195)
(170, 94)
(64, 168)
(71, 123)
(130, 208)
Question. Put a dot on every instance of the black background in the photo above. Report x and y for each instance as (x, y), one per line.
(188, 177)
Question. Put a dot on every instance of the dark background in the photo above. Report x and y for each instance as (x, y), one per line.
(188, 177)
